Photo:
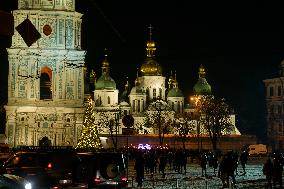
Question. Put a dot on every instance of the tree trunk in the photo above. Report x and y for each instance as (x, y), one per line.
(183, 142)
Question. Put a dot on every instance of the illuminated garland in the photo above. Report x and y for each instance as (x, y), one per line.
(89, 138)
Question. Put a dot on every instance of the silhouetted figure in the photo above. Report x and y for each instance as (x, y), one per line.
(235, 156)
(184, 160)
(277, 172)
(203, 164)
(222, 172)
(230, 168)
(178, 161)
(170, 159)
(243, 159)
(162, 164)
(152, 163)
(139, 167)
(268, 172)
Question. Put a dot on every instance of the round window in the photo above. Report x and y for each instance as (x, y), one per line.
(47, 30)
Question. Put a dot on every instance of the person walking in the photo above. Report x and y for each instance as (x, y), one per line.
(268, 172)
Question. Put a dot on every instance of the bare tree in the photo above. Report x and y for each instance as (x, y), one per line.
(184, 124)
(109, 121)
(215, 117)
(159, 116)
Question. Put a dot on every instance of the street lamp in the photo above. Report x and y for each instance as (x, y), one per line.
(195, 100)
(117, 115)
(128, 121)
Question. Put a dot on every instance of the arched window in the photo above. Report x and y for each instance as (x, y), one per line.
(108, 100)
(178, 107)
(147, 95)
(154, 93)
(45, 83)
(133, 105)
(160, 93)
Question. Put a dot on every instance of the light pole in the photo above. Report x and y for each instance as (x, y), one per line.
(195, 100)
(128, 121)
(116, 119)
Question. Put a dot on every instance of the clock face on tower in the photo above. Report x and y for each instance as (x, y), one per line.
(47, 29)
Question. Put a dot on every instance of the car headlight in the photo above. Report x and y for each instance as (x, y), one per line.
(28, 186)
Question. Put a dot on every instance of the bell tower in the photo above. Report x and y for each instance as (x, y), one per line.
(46, 74)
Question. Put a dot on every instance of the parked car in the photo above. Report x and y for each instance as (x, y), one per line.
(257, 150)
(47, 168)
(8, 181)
(104, 169)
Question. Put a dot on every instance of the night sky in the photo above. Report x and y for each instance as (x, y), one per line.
(239, 43)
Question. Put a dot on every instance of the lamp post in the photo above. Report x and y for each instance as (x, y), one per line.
(128, 121)
(116, 119)
(159, 108)
(195, 100)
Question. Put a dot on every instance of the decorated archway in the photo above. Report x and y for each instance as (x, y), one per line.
(44, 141)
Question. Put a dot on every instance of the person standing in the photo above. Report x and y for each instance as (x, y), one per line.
(139, 168)
(277, 172)
(243, 160)
(162, 164)
(203, 164)
(222, 172)
(268, 172)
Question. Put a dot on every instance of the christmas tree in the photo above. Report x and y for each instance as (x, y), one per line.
(89, 139)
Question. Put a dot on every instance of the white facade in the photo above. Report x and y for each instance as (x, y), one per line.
(274, 96)
(46, 80)
(155, 85)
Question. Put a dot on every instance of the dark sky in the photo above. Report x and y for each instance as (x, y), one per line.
(239, 43)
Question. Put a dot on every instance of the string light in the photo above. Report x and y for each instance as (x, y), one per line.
(89, 139)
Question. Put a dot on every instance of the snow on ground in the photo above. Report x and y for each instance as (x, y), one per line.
(253, 178)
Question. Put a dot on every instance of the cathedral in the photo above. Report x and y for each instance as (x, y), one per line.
(46, 79)
(47, 85)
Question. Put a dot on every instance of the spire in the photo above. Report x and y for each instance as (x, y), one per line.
(150, 44)
(170, 82)
(174, 82)
(126, 84)
(105, 64)
(136, 80)
(201, 72)
(92, 77)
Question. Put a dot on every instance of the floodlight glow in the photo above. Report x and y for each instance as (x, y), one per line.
(144, 146)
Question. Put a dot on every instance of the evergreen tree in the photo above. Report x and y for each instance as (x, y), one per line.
(89, 139)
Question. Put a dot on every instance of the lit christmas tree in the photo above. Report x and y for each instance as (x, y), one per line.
(89, 139)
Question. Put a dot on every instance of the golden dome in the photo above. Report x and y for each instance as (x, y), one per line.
(151, 67)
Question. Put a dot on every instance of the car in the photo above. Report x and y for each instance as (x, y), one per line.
(47, 168)
(8, 181)
(104, 169)
(257, 150)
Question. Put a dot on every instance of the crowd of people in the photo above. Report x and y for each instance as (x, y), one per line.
(272, 169)
(225, 165)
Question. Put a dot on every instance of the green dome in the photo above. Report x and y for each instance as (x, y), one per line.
(202, 87)
(175, 92)
(105, 82)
